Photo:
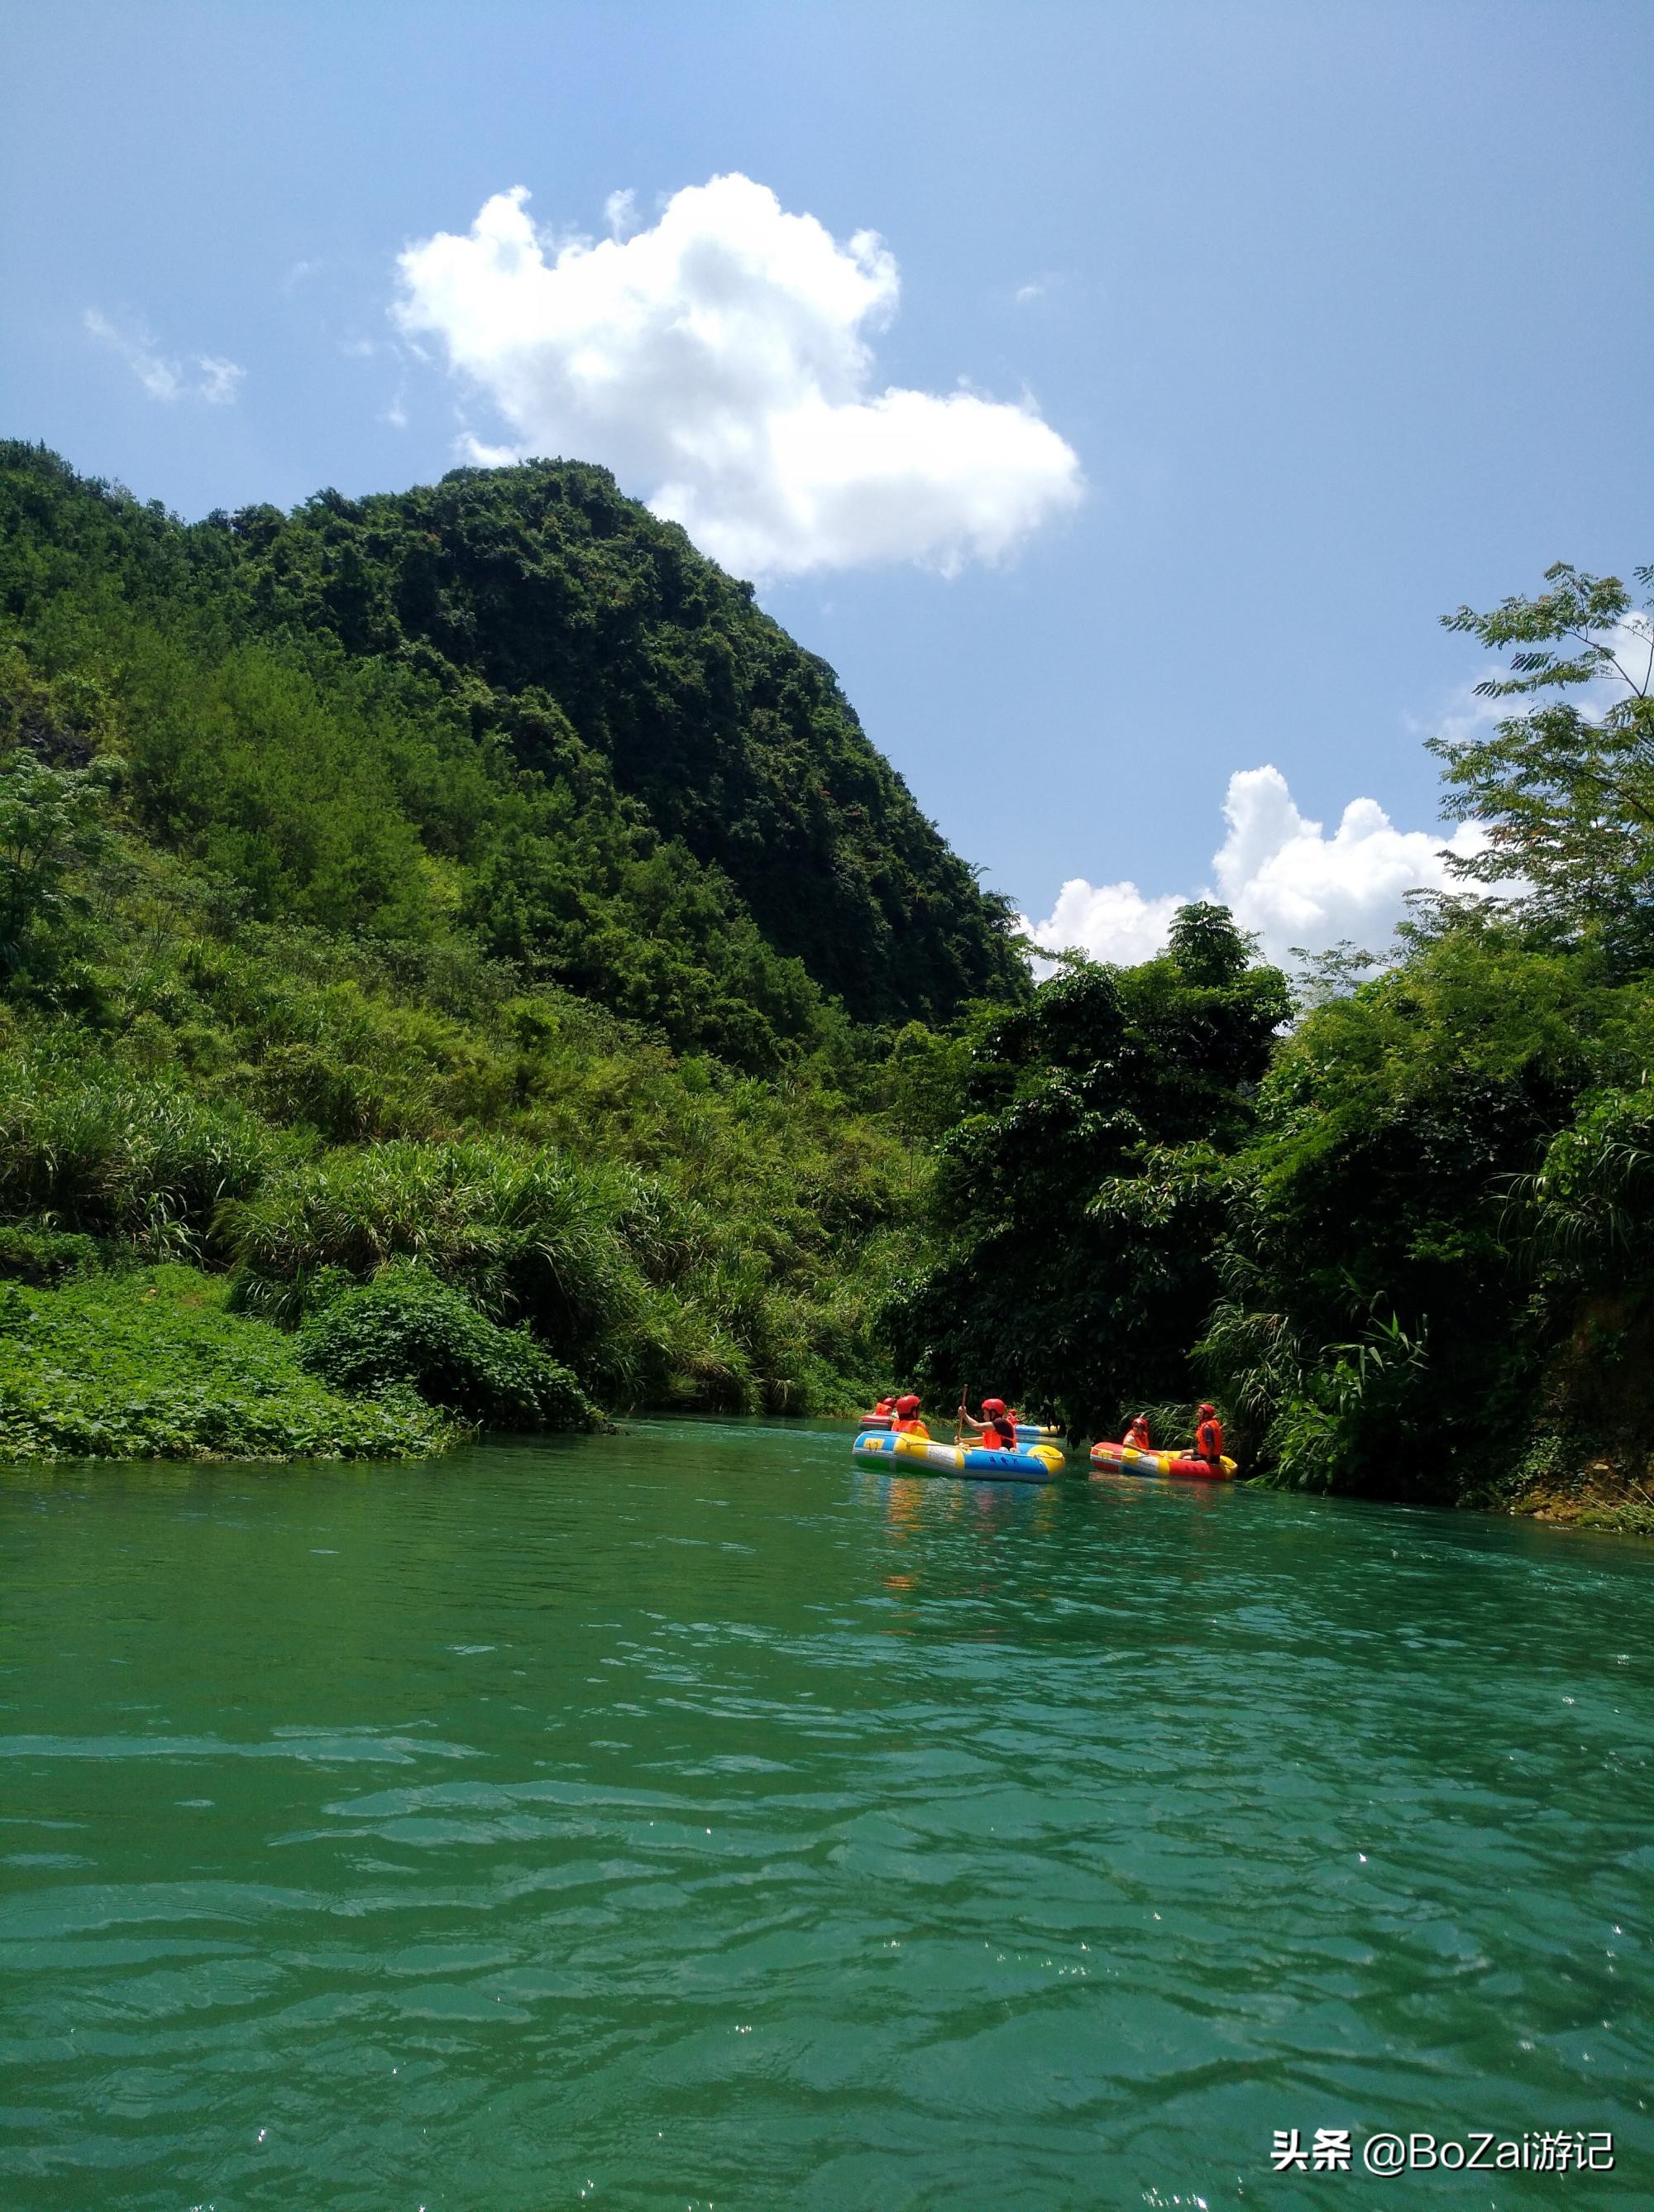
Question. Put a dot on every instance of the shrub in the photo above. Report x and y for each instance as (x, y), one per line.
(528, 1236)
(87, 1149)
(149, 1366)
(406, 1327)
(43, 1255)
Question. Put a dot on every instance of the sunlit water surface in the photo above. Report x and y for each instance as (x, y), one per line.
(689, 1817)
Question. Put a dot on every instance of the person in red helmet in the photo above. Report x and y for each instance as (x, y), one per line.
(997, 1428)
(885, 1408)
(907, 1422)
(1208, 1439)
(1137, 1435)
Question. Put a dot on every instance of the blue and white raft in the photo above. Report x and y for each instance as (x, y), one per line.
(1030, 1462)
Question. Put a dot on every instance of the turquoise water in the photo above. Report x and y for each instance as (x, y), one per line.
(689, 1818)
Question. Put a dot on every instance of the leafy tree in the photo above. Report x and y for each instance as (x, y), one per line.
(1379, 1330)
(51, 828)
(1078, 1202)
(1565, 788)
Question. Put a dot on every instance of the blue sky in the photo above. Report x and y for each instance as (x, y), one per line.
(1340, 313)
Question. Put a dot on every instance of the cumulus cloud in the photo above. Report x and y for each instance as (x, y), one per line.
(1112, 921)
(204, 375)
(720, 363)
(1280, 874)
(1283, 877)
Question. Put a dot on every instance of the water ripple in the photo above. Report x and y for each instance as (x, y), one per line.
(692, 1816)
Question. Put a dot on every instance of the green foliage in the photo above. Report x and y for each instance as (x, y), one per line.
(1079, 1201)
(1567, 791)
(514, 704)
(50, 829)
(528, 1234)
(1584, 1215)
(408, 1327)
(45, 1256)
(1380, 1330)
(90, 1148)
(148, 1366)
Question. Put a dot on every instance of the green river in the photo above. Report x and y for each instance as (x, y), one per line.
(690, 1818)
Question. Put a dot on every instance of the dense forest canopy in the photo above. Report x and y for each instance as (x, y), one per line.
(1405, 1237)
(515, 695)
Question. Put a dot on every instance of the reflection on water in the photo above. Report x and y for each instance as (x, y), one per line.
(692, 1816)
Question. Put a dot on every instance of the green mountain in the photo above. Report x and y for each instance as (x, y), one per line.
(514, 702)
(459, 961)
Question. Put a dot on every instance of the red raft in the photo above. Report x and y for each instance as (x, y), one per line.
(1126, 1458)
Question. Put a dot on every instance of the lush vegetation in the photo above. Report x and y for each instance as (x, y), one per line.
(1078, 1203)
(512, 704)
(145, 1363)
(1438, 1273)
(460, 963)
(351, 973)
(1405, 1241)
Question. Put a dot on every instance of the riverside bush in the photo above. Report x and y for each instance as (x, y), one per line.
(149, 1365)
(528, 1236)
(44, 1256)
(90, 1148)
(406, 1327)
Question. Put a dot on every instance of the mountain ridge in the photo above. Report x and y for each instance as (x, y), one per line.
(644, 749)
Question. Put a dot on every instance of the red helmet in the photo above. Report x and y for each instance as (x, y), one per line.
(1209, 1409)
(909, 1405)
(993, 1405)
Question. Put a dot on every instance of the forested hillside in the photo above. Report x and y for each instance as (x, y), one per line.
(461, 964)
(421, 928)
(516, 701)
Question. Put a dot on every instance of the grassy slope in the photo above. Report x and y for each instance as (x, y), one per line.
(283, 1106)
(322, 949)
(147, 1365)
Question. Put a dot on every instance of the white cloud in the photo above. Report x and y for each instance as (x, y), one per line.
(208, 376)
(719, 362)
(219, 380)
(1284, 877)
(1280, 874)
(1112, 921)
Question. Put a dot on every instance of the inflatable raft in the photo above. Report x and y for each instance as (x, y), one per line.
(1028, 1432)
(1125, 1458)
(1033, 1463)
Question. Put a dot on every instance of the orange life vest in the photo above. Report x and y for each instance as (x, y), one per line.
(999, 1436)
(1137, 1436)
(914, 1428)
(1209, 1441)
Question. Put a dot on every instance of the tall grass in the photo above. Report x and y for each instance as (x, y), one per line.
(529, 1235)
(108, 1154)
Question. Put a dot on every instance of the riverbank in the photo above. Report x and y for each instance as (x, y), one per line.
(149, 1365)
(1599, 1497)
